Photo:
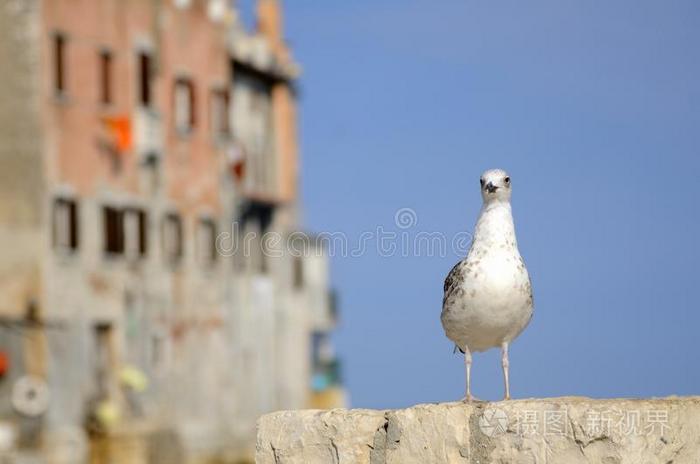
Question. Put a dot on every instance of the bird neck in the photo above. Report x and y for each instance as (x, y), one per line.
(495, 225)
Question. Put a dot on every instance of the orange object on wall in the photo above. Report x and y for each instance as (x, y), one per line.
(120, 128)
(236, 158)
(238, 170)
(4, 363)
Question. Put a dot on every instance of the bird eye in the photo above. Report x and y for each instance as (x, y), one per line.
(507, 180)
(481, 181)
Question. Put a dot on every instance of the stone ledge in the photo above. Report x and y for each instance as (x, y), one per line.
(568, 430)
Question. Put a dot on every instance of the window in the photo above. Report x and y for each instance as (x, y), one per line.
(184, 105)
(59, 63)
(65, 224)
(145, 67)
(136, 228)
(172, 237)
(113, 222)
(143, 233)
(206, 238)
(106, 77)
(219, 113)
(252, 250)
(103, 358)
(125, 231)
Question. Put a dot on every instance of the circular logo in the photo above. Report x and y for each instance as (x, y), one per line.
(405, 218)
(493, 422)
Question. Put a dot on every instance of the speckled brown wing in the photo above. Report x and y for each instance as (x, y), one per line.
(452, 281)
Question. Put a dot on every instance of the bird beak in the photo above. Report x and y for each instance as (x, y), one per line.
(491, 188)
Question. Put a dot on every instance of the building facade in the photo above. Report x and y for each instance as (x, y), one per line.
(151, 306)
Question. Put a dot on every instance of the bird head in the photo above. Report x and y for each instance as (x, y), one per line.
(495, 185)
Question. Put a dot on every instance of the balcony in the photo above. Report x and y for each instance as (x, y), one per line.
(326, 374)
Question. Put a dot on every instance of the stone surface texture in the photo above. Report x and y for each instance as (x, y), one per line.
(567, 430)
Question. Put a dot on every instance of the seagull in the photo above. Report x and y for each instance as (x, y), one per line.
(488, 295)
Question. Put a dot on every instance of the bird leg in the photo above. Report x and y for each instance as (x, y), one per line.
(505, 364)
(468, 365)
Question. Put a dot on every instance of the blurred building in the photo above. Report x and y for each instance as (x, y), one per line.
(150, 308)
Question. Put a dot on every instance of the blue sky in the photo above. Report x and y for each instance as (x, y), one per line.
(594, 109)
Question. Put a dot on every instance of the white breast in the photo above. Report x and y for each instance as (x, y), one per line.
(492, 302)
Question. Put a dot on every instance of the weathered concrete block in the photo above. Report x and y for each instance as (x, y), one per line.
(567, 430)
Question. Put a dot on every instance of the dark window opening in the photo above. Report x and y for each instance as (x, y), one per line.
(113, 220)
(219, 103)
(172, 237)
(185, 116)
(59, 57)
(136, 232)
(103, 359)
(256, 219)
(207, 241)
(145, 79)
(106, 77)
(65, 224)
(143, 232)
